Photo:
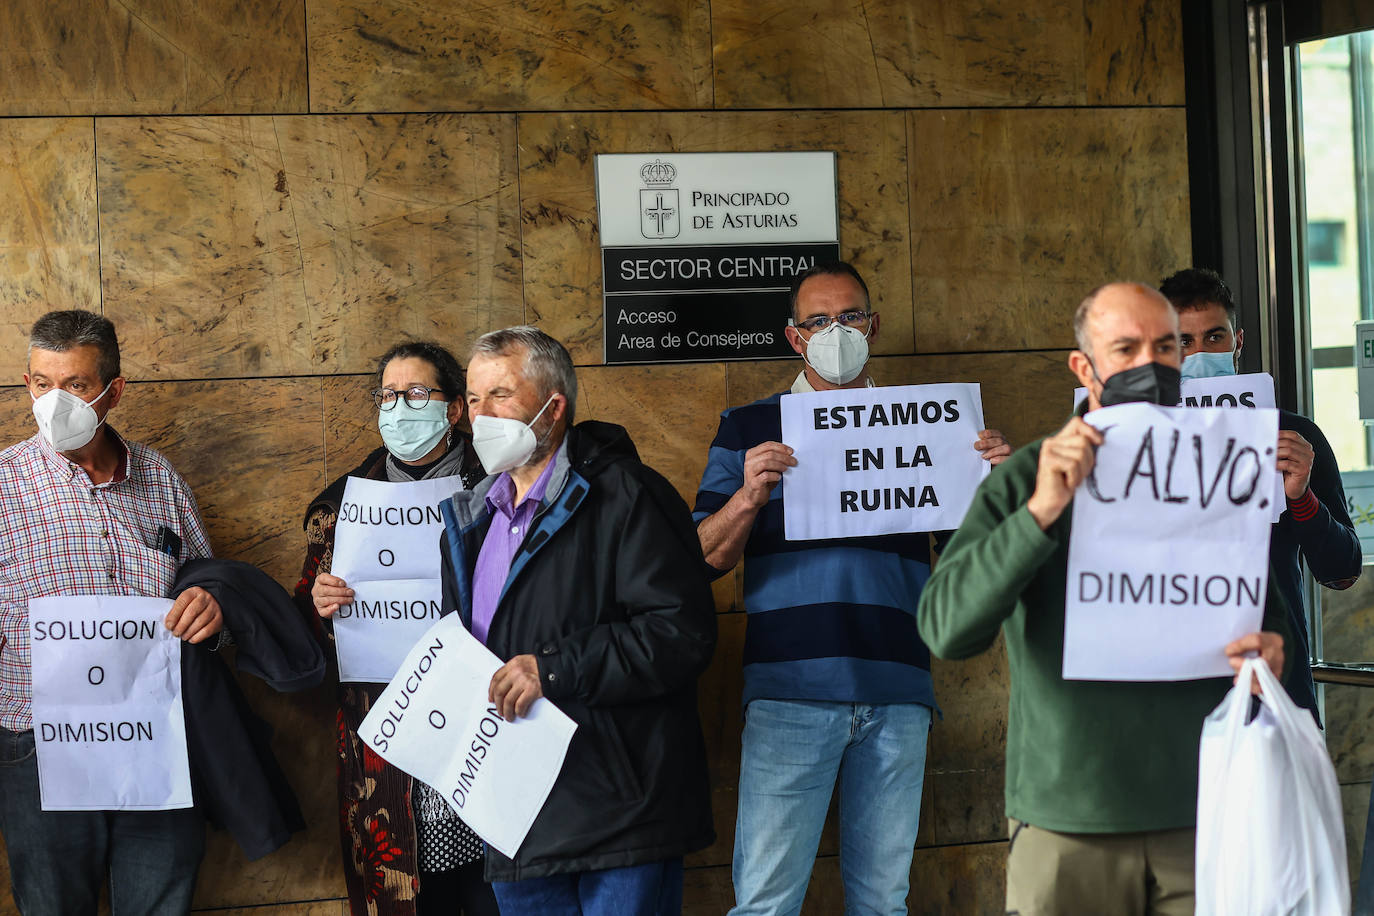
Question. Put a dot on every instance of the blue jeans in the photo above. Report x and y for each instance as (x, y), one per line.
(793, 752)
(58, 859)
(636, 890)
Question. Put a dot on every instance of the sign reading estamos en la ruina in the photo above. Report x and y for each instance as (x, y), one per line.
(885, 460)
(698, 249)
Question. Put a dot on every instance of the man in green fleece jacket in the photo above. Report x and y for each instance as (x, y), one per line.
(1101, 776)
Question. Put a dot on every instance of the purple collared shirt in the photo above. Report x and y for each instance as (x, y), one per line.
(509, 524)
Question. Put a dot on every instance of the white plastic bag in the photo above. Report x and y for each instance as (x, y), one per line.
(1270, 835)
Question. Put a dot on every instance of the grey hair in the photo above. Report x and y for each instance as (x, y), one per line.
(1080, 320)
(58, 332)
(547, 362)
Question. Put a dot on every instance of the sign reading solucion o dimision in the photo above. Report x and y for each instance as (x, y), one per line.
(698, 249)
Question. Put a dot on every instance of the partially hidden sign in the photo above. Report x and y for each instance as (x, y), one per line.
(434, 721)
(886, 460)
(107, 713)
(1169, 555)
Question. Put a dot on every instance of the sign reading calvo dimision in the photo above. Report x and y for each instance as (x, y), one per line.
(698, 250)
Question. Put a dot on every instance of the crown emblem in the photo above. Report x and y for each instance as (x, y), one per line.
(658, 174)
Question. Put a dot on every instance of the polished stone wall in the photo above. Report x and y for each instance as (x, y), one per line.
(265, 194)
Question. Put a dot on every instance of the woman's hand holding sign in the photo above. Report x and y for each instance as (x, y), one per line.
(329, 594)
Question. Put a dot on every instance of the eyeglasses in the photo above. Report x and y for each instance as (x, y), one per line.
(415, 398)
(857, 319)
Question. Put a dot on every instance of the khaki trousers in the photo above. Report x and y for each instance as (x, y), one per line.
(1114, 874)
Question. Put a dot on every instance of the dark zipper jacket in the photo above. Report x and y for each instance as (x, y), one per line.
(608, 592)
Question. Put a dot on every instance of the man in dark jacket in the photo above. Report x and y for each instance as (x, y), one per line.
(1315, 525)
(580, 567)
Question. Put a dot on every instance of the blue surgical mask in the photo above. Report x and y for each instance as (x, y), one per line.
(411, 434)
(1208, 365)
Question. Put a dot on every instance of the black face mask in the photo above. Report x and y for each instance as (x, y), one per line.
(1153, 383)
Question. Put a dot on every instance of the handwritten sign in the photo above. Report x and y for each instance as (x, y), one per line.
(1169, 556)
(386, 547)
(1252, 389)
(107, 714)
(434, 722)
(884, 460)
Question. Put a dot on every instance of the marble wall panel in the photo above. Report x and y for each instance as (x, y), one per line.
(309, 866)
(16, 415)
(1355, 811)
(298, 245)
(350, 425)
(1348, 637)
(48, 247)
(251, 452)
(7, 904)
(970, 880)
(562, 260)
(460, 55)
(1133, 52)
(967, 806)
(670, 412)
(707, 891)
(1016, 215)
(309, 908)
(151, 56)
(839, 54)
(718, 696)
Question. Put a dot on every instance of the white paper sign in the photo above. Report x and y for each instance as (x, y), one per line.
(1169, 556)
(107, 714)
(1252, 389)
(376, 631)
(386, 547)
(434, 722)
(885, 460)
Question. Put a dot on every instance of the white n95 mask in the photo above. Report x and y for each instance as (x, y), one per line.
(502, 443)
(66, 421)
(838, 353)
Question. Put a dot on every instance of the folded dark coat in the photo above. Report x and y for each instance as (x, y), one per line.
(237, 781)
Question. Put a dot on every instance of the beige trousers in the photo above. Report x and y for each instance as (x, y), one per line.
(1114, 874)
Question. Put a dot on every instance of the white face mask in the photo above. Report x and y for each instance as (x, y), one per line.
(838, 354)
(411, 434)
(1208, 365)
(66, 421)
(502, 443)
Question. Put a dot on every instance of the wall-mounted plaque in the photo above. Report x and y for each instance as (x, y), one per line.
(698, 249)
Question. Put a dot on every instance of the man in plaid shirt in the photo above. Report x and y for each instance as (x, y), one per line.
(83, 511)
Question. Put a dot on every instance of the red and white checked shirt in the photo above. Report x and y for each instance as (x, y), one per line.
(62, 535)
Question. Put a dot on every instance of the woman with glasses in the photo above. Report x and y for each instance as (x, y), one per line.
(404, 850)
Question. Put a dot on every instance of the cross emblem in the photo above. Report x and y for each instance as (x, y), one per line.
(659, 213)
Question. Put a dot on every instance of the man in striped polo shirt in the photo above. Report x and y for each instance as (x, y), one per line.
(836, 678)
